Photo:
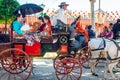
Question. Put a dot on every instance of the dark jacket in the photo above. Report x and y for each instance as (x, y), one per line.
(116, 28)
(91, 33)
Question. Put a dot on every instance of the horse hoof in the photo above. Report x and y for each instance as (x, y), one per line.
(94, 74)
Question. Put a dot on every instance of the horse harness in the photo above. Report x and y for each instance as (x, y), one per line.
(99, 48)
(118, 49)
(102, 43)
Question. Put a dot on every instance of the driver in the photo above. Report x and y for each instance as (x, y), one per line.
(62, 15)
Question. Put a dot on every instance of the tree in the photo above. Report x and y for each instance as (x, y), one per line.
(6, 9)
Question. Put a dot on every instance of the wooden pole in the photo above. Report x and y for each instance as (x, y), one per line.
(92, 21)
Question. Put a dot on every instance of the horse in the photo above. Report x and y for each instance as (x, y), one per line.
(107, 49)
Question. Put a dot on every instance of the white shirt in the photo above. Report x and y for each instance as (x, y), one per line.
(61, 14)
(25, 27)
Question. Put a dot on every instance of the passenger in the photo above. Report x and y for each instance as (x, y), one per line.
(25, 27)
(48, 27)
(81, 35)
(81, 31)
(41, 21)
(35, 26)
(17, 24)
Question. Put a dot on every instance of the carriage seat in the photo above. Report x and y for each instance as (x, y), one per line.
(17, 40)
(46, 40)
(60, 27)
(4, 38)
(4, 46)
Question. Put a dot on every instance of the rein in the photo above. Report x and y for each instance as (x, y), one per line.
(118, 49)
(116, 43)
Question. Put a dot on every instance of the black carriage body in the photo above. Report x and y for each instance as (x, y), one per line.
(64, 38)
(65, 43)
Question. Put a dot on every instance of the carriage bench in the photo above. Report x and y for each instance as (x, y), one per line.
(4, 46)
(21, 42)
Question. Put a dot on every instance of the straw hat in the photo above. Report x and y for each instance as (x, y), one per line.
(63, 3)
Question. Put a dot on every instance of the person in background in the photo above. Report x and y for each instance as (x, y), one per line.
(97, 29)
(110, 33)
(105, 30)
(107, 33)
(116, 29)
(91, 32)
(111, 26)
(17, 24)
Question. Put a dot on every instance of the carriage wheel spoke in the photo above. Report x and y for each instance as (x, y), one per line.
(18, 65)
(72, 74)
(22, 78)
(1, 75)
(1, 68)
(14, 77)
(68, 69)
(9, 76)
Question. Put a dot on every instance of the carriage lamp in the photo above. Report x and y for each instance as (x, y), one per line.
(63, 48)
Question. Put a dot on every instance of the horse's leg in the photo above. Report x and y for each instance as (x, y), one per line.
(110, 68)
(92, 66)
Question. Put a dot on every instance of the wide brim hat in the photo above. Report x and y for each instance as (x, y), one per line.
(62, 4)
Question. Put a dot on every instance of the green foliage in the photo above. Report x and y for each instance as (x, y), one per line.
(42, 14)
(6, 10)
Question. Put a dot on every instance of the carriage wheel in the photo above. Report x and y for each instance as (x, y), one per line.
(68, 69)
(16, 65)
(84, 55)
(57, 60)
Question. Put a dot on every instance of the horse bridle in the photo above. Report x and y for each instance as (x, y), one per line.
(118, 47)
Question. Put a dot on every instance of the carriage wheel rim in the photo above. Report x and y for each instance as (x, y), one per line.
(69, 73)
(12, 70)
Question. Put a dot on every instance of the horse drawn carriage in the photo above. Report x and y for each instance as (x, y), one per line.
(15, 64)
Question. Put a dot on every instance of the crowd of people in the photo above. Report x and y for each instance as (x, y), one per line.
(112, 31)
(44, 26)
